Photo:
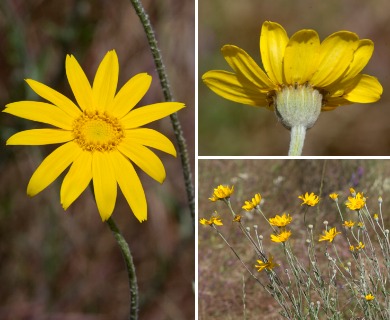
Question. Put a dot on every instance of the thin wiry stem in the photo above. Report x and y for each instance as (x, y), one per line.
(123, 245)
(185, 161)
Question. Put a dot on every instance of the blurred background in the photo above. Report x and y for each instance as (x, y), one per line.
(221, 276)
(228, 128)
(67, 265)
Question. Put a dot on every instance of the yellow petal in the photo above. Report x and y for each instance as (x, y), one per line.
(366, 89)
(40, 137)
(79, 83)
(243, 64)
(104, 184)
(273, 42)
(150, 138)
(130, 94)
(77, 179)
(130, 185)
(361, 57)
(55, 98)
(147, 114)
(52, 166)
(143, 158)
(301, 56)
(105, 82)
(237, 89)
(336, 54)
(41, 112)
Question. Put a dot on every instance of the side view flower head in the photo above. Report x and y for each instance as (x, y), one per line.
(249, 205)
(309, 199)
(269, 265)
(329, 235)
(280, 221)
(283, 236)
(221, 192)
(214, 220)
(101, 136)
(357, 202)
(302, 76)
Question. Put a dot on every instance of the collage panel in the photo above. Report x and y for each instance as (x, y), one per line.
(293, 239)
(301, 77)
(97, 158)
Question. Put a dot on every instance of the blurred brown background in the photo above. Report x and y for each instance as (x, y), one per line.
(280, 182)
(228, 128)
(67, 265)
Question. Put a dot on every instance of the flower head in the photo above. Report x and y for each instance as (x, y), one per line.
(237, 218)
(301, 75)
(214, 220)
(281, 237)
(101, 137)
(329, 235)
(249, 205)
(375, 216)
(269, 265)
(348, 224)
(222, 192)
(369, 297)
(280, 221)
(357, 202)
(334, 196)
(309, 199)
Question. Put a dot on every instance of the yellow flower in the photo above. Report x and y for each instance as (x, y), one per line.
(214, 220)
(100, 137)
(281, 237)
(360, 224)
(360, 246)
(357, 202)
(352, 191)
(327, 74)
(348, 224)
(270, 264)
(375, 217)
(280, 221)
(221, 192)
(237, 218)
(249, 205)
(309, 199)
(329, 235)
(334, 196)
(369, 297)
(352, 248)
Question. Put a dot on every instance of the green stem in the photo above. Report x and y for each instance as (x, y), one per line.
(298, 134)
(185, 161)
(123, 245)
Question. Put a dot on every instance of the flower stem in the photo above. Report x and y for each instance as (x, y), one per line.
(297, 140)
(185, 161)
(123, 245)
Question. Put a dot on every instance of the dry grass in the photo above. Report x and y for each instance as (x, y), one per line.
(280, 182)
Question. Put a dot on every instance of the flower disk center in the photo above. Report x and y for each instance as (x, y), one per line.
(95, 131)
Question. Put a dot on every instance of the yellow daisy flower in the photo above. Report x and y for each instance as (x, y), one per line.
(348, 224)
(214, 219)
(357, 202)
(301, 75)
(369, 297)
(280, 221)
(270, 264)
(309, 199)
(100, 137)
(281, 237)
(329, 235)
(334, 196)
(249, 205)
(221, 192)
